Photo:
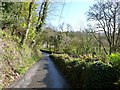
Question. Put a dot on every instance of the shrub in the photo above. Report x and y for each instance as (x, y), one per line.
(83, 74)
(114, 59)
(98, 75)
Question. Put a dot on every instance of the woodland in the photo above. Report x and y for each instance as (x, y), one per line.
(91, 54)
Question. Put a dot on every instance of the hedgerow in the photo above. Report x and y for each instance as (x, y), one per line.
(84, 74)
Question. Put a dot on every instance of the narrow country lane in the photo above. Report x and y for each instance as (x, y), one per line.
(43, 74)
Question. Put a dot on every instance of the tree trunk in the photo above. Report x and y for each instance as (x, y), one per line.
(28, 23)
(44, 15)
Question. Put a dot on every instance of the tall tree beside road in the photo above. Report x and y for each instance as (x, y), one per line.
(28, 22)
(106, 13)
(42, 15)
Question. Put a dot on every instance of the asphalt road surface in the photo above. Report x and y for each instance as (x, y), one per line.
(43, 74)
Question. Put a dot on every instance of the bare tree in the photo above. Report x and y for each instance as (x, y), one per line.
(106, 14)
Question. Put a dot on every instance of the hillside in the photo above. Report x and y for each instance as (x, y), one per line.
(14, 59)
